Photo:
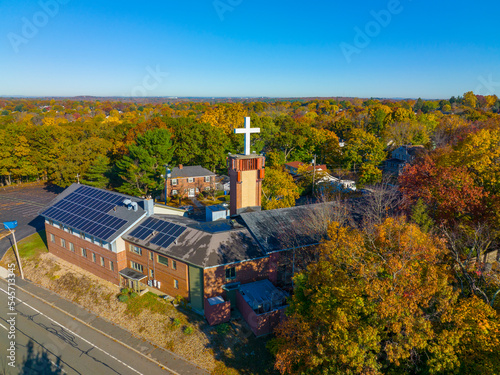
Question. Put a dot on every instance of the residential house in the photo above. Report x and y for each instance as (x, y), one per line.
(402, 156)
(293, 167)
(323, 179)
(189, 181)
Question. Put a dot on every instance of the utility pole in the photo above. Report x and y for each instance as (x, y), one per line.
(10, 225)
(78, 178)
(314, 172)
(167, 175)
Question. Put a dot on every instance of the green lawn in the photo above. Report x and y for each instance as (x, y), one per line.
(33, 245)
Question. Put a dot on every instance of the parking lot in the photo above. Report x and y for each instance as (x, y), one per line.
(23, 203)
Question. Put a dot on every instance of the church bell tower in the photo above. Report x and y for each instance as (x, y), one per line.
(246, 173)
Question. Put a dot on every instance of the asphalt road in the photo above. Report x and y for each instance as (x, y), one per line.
(80, 349)
(22, 203)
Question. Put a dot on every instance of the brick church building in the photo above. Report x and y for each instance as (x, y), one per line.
(241, 262)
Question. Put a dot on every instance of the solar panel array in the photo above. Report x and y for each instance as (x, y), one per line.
(86, 209)
(165, 232)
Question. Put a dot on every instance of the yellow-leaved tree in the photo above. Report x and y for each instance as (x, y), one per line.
(278, 190)
(383, 302)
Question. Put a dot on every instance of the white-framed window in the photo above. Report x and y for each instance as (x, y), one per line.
(207, 178)
(102, 261)
(174, 265)
(93, 257)
(111, 265)
(84, 252)
(71, 247)
(136, 266)
(174, 181)
(150, 255)
(151, 273)
(190, 179)
(163, 260)
(52, 238)
(63, 242)
(176, 284)
(197, 190)
(136, 249)
(174, 192)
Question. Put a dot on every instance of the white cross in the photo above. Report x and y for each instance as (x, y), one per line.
(247, 131)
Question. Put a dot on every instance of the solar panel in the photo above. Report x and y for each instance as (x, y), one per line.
(86, 209)
(164, 232)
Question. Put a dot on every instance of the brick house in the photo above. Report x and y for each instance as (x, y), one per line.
(189, 181)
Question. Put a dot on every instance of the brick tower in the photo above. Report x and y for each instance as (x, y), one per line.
(246, 173)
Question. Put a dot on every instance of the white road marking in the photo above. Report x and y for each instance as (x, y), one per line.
(88, 342)
(4, 327)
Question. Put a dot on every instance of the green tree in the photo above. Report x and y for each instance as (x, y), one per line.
(420, 216)
(98, 173)
(142, 167)
(362, 148)
(290, 137)
(369, 174)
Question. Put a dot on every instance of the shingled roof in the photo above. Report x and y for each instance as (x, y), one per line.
(190, 171)
(289, 228)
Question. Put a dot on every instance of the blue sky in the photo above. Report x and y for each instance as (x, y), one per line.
(413, 48)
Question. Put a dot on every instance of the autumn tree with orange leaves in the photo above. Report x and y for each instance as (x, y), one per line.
(384, 303)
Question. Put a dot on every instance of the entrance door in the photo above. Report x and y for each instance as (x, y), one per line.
(231, 296)
(191, 192)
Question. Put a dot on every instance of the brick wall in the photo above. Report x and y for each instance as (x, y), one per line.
(78, 259)
(217, 314)
(162, 273)
(246, 272)
(183, 185)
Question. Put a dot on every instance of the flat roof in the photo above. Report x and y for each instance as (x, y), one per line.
(205, 244)
(131, 274)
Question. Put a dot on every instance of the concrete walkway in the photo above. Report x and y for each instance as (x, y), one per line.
(149, 350)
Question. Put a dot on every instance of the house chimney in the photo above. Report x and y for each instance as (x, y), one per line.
(180, 166)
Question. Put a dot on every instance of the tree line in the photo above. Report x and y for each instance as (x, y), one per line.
(116, 144)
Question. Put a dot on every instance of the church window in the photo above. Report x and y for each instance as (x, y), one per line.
(230, 273)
